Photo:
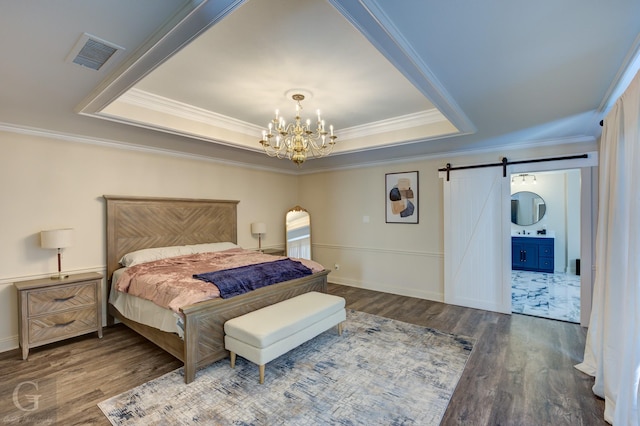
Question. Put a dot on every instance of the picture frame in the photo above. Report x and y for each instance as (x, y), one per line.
(401, 197)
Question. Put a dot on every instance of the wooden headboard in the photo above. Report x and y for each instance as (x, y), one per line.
(135, 223)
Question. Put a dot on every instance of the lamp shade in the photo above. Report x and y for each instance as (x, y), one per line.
(56, 238)
(258, 228)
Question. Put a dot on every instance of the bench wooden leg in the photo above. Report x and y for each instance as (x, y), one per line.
(233, 359)
(262, 374)
(340, 329)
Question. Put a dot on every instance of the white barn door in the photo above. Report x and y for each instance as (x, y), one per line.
(477, 249)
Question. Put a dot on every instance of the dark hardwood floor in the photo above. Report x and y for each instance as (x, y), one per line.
(519, 373)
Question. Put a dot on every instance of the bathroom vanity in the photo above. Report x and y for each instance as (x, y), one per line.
(532, 253)
(530, 250)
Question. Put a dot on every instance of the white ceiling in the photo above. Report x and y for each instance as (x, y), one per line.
(397, 79)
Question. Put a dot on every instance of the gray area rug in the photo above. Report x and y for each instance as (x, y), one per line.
(380, 371)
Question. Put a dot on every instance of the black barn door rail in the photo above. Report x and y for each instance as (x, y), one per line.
(505, 162)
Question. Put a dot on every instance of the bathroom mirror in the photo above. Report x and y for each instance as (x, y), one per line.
(298, 229)
(527, 208)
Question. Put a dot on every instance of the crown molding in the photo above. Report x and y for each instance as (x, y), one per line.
(161, 104)
(164, 105)
(459, 153)
(403, 122)
(109, 143)
(31, 131)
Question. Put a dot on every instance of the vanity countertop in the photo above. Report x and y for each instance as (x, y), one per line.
(532, 234)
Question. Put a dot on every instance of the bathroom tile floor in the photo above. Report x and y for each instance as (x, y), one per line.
(555, 296)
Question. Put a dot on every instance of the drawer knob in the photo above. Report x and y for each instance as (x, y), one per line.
(63, 299)
(64, 324)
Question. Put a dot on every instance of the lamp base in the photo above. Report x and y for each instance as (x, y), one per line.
(59, 276)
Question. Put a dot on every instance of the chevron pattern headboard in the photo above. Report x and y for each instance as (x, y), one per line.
(134, 223)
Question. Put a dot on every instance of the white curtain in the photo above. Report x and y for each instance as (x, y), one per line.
(612, 352)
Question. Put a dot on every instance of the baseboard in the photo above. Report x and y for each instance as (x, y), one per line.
(9, 343)
(400, 291)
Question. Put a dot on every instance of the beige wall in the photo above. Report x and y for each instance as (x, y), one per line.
(50, 183)
(397, 258)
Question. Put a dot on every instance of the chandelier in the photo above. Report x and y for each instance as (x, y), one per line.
(296, 140)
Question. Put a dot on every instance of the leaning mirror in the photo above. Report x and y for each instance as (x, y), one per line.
(527, 208)
(298, 229)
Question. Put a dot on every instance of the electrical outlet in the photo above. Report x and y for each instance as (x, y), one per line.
(336, 266)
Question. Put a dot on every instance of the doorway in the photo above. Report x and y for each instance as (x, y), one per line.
(545, 239)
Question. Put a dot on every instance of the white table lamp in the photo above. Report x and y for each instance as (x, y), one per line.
(259, 228)
(57, 239)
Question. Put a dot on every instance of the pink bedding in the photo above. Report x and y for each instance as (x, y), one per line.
(169, 282)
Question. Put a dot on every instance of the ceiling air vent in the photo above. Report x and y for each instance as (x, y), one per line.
(92, 52)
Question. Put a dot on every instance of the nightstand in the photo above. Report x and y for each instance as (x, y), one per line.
(52, 310)
(274, 251)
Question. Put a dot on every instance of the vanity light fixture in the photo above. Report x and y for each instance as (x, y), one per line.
(524, 177)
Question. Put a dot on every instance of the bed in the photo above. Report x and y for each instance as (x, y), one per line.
(135, 223)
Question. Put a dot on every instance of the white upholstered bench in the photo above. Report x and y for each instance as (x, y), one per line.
(263, 335)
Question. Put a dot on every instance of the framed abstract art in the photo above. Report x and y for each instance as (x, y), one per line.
(401, 195)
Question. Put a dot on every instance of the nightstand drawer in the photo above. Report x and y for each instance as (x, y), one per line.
(66, 324)
(61, 298)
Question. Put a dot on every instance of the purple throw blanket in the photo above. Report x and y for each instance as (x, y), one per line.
(236, 281)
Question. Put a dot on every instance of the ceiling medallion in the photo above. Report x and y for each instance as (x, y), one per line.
(296, 141)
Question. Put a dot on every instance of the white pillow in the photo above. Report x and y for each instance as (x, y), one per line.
(151, 254)
(212, 247)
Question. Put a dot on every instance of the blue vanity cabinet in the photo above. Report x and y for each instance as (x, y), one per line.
(532, 254)
(524, 254)
(545, 255)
